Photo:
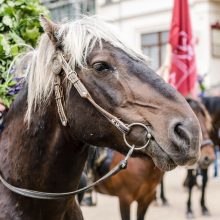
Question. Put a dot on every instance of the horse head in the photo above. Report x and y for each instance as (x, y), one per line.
(121, 82)
(207, 147)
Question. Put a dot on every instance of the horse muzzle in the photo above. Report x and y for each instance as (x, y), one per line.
(205, 161)
(185, 142)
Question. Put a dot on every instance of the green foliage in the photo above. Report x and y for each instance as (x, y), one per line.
(19, 24)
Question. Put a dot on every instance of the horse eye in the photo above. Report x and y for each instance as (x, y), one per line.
(101, 66)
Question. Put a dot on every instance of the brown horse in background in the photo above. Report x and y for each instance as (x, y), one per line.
(212, 104)
(206, 158)
(139, 181)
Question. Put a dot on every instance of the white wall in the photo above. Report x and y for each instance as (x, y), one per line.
(134, 17)
(138, 16)
(214, 67)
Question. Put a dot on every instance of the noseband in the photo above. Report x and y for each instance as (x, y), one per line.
(58, 64)
(206, 143)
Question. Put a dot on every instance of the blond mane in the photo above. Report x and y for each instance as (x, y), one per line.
(78, 39)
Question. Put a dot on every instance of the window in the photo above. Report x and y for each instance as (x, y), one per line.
(87, 7)
(112, 1)
(154, 46)
(108, 1)
(215, 39)
(63, 10)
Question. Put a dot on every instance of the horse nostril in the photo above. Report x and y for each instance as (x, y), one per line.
(184, 146)
(182, 133)
(206, 161)
(206, 158)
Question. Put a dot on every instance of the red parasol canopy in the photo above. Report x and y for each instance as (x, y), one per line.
(183, 65)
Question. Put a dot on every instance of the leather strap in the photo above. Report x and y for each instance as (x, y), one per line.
(59, 96)
(81, 89)
(51, 196)
(206, 143)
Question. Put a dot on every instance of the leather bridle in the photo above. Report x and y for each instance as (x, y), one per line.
(206, 142)
(71, 75)
(58, 64)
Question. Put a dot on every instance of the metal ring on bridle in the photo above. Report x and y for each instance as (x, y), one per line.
(148, 136)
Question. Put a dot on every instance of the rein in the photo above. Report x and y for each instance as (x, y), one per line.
(51, 196)
(60, 63)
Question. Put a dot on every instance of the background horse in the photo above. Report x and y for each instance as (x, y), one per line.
(213, 106)
(139, 181)
(44, 144)
(206, 158)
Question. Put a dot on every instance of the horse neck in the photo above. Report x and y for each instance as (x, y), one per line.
(42, 157)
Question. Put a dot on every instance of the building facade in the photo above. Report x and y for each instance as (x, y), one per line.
(146, 23)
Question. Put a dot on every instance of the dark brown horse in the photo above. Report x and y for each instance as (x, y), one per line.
(212, 104)
(139, 181)
(206, 158)
(39, 152)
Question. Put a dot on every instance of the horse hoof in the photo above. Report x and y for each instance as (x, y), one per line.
(155, 203)
(87, 201)
(190, 215)
(165, 203)
(205, 212)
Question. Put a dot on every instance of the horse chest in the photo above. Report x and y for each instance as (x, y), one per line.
(17, 208)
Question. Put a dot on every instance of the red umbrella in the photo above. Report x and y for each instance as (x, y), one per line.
(183, 65)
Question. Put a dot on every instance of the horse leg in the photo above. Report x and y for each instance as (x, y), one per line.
(191, 176)
(216, 162)
(162, 194)
(141, 210)
(82, 183)
(143, 206)
(124, 209)
(205, 211)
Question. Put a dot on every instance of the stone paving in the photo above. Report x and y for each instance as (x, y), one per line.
(107, 208)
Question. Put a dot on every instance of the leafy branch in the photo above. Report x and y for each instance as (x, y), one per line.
(19, 25)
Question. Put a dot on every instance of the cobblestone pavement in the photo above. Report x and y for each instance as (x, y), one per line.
(107, 208)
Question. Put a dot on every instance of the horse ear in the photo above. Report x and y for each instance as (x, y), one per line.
(50, 28)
